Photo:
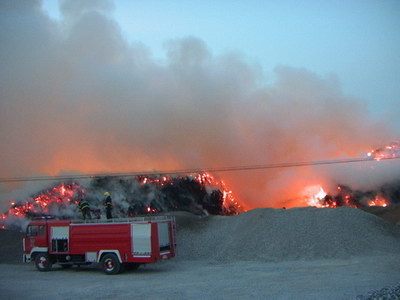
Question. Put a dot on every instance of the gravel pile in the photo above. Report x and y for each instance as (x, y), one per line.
(387, 293)
(268, 234)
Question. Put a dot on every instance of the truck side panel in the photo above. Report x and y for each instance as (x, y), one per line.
(95, 237)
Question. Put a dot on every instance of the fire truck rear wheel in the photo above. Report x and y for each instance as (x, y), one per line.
(43, 262)
(111, 264)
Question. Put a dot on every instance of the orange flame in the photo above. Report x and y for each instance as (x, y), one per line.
(378, 201)
(389, 151)
(314, 195)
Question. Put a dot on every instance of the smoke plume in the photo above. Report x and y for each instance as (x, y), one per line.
(76, 96)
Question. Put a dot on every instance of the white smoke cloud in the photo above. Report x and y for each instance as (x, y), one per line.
(75, 95)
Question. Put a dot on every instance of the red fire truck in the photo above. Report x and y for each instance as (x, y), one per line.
(114, 243)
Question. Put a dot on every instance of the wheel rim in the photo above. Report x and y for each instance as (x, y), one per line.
(109, 264)
(43, 263)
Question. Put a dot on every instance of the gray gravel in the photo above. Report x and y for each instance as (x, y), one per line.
(272, 235)
(386, 293)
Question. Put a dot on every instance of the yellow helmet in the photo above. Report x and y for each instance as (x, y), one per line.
(107, 194)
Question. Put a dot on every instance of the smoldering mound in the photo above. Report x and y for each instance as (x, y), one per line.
(267, 234)
(199, 194)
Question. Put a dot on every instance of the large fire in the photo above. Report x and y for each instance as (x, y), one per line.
(316, 196)
(198, 193)
(47, 202)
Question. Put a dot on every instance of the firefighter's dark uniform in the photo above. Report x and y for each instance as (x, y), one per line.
(108, 205)
(84, 207)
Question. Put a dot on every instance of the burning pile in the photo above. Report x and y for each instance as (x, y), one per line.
(199, 194)
(345, 196)
(389, 151)
(196, 193)
(385, 195)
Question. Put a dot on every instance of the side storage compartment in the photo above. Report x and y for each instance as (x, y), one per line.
(141, 240)
(59, 239)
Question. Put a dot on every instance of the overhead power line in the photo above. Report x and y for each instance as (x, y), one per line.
(198, 170)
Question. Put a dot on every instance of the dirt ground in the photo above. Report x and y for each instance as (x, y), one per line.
(180, 279)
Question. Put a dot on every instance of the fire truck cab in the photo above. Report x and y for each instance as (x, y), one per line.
(114, 244)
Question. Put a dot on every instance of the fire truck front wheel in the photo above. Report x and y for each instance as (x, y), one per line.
(111, 264)
(43, 262)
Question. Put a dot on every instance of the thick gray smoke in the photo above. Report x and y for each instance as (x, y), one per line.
(75, 96)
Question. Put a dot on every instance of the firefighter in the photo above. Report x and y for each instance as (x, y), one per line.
(108, 204)
(84, 207)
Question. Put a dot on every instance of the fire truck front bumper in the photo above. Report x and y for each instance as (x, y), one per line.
(26, 258)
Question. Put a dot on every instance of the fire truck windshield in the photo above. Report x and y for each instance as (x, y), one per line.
(34, 230)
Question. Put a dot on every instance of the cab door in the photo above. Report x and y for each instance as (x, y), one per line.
(35, 237)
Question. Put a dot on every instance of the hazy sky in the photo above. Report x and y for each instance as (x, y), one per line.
(359, 41)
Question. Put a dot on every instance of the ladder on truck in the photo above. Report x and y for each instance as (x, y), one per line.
(126, 220)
